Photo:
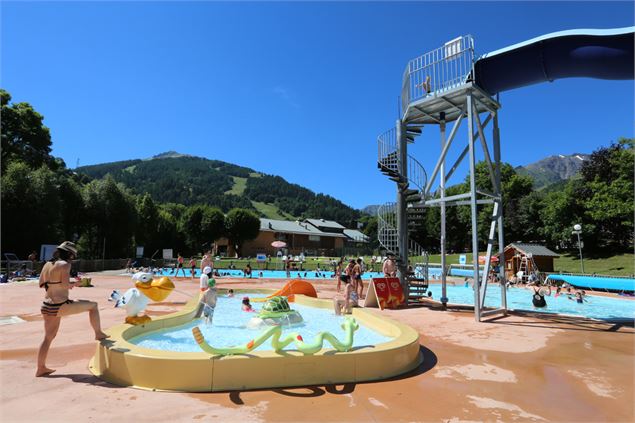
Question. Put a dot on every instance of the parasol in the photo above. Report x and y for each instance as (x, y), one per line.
(278, 244)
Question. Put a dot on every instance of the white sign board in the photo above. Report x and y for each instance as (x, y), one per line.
(167, 254)
(46, 251)
(452, 48)
(462, 259)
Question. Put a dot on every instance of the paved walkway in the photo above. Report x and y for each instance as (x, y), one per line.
(518, 368)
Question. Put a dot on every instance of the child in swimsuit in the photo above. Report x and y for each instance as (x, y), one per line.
(246, 305)
(208, 301)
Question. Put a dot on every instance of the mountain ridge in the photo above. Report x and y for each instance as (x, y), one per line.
(173, 177)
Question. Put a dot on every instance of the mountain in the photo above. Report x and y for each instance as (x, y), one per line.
(371, 210)
(553, 169)
(172, 177)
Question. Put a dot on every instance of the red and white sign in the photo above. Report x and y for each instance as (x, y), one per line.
(385, 293)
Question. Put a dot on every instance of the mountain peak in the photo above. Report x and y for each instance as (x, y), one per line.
(553, 169)
(169, 155)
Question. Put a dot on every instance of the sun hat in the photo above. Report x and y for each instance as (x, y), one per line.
(68, 246)
(207, 270)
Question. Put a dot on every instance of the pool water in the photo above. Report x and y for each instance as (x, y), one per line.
(520, 299)
(229, 329)
(308, 274)
(272, 274)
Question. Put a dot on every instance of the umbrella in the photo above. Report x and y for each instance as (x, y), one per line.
(279, 244)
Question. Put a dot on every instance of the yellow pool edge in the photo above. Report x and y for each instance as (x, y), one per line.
(119, 362)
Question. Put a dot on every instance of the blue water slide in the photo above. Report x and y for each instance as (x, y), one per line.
(591, 53)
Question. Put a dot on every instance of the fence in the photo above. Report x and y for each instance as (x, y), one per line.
(438, 70)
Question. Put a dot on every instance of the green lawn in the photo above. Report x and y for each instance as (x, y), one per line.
(239, 186)
(271, 212)
(617, 265)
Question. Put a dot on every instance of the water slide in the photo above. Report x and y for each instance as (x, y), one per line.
(293, 287)
(591, 53)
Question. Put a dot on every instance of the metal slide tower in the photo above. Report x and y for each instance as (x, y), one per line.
(438, 89)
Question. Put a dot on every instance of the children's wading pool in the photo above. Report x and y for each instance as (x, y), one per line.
(163, 355)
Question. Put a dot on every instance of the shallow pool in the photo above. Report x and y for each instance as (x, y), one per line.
(229, 329)
(520, 299)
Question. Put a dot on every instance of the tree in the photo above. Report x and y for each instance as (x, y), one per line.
(110, 219)
(31, 208)
(146, 231)
(24, 136)
(202, 225)
(241, 225)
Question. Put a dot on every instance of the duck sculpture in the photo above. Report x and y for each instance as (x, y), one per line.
(135, 300)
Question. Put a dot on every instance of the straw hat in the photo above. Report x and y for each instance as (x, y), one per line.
(68, 246)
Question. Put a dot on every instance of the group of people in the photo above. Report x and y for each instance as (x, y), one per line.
(538, 297)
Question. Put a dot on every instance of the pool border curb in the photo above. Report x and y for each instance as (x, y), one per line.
(122, 363)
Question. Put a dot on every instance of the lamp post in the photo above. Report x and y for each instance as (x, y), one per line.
(577, 229)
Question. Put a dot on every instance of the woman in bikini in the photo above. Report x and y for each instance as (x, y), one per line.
(55, 279)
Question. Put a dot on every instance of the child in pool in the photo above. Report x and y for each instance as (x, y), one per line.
(230, 293)
(208, 301)
(246, 305)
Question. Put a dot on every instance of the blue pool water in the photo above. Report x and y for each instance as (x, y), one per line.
(520, 299)
(309, 274)
(228, 329)
(272, 274)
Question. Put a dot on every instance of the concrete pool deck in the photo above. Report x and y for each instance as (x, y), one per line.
(522, 367)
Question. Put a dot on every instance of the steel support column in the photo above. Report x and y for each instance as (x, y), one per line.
(473, 206)
(444, 293)
(402, 213)
(501, 238)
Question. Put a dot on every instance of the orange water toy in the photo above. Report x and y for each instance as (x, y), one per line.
(291, 288)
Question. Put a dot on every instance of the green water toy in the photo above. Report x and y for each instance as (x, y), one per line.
(278, 342)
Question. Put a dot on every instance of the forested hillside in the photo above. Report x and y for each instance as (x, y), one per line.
(176, 178)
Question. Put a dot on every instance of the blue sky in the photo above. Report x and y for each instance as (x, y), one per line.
(299, 90)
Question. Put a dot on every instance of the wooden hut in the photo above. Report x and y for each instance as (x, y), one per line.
(528, 258)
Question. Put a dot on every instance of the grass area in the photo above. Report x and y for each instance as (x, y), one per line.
(255, 175)
(616, 265)
(272, 212)
(239, 186)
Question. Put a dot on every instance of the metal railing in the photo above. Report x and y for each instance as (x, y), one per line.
(417, 175)
(387, 233)
(388, 150)
(438, 70)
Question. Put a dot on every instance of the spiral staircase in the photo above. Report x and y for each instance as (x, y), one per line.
(411, 183)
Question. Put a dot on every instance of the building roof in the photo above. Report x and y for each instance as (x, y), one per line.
(321, 223)
(291, 227)
(533, 249)
(356, 235)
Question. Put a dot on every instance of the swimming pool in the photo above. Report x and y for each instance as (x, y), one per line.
(229, 328)
(597, 307)
(272, 274)
(304, 274)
